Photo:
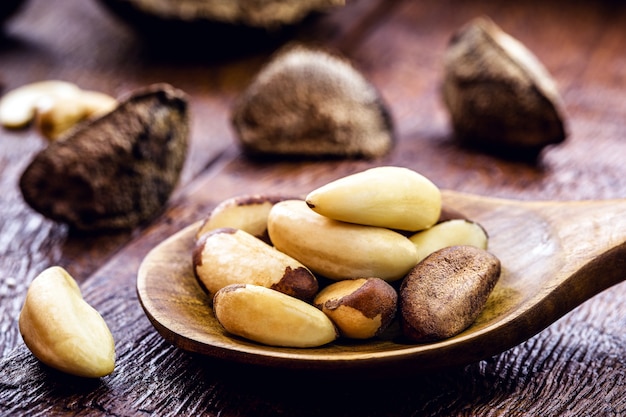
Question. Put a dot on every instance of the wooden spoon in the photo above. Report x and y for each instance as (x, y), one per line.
(555, 255)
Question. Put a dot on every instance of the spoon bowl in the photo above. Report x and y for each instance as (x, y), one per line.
(554, 255)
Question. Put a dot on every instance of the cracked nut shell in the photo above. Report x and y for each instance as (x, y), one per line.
(116, 171)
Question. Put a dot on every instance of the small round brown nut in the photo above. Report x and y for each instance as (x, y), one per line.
(115, 171)
(498, 94)
(361, 308)
(444, 294)
(310, 103)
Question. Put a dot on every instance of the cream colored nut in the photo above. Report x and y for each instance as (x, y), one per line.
(18, 106)
(387, 196)
(361, 308)
(62, 330)
(56, 115)
(247, 212)
(445, 293)
(449, 233)
(339, 250)
(230, 256)
(271, 317)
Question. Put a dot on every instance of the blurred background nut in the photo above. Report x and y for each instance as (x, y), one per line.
(56, 115)
(62, 330)
(18, 106)
(308, 102)
(499, 95)
(116, 171)
(224, 28)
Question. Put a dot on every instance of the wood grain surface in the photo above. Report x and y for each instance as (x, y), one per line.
(575, 367)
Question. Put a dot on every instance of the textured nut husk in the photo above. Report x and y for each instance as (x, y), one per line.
(444, 294)
(266, 14)
(310, 103)
(499, 96)
(361, 308)
(116, 171)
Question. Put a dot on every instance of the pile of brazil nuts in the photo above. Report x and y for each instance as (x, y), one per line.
(346, 261)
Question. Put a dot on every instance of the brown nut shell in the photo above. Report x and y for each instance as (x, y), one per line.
(444, 294)
(116, 171)
(499, 95)
(308, 102)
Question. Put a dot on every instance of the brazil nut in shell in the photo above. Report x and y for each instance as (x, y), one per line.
(116, 171)
(444, 294)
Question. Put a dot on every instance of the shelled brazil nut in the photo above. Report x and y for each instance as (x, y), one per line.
(383, 255)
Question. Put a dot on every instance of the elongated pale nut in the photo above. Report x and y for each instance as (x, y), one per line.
(18, 106)
(246, 212)
(361, 308)
(445, 293)
(387, 196)
(62, 330)
(449, 233)
(270, 317)
(339, 250)
(230, 256)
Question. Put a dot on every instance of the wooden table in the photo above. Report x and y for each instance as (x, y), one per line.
(575, 367)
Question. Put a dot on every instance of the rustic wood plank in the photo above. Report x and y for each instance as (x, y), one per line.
(575, 367)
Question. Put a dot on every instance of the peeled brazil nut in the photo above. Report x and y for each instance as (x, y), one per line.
(270, 317)
(387, 196)
(361, 308)
(245, 212)
(230, 256)
(339, 250)
(62, 330)
(18, 106)
(449, 233)
(445, 293)
(115, 171)
(57, 115)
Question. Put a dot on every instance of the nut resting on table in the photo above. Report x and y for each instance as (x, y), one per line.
(361, 259)
(112, 164)
(62, 330)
